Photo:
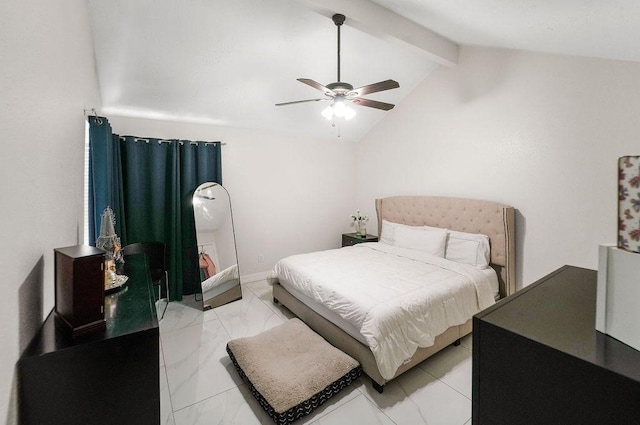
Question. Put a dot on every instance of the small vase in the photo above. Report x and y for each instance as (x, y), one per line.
(357, 228)
(362, 230)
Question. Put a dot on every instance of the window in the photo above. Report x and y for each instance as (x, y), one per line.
(85, 214)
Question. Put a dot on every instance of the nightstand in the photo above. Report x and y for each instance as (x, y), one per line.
(349, 239)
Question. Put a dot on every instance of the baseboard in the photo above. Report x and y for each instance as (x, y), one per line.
(254, 277)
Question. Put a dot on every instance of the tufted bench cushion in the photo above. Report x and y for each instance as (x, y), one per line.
(291, 370)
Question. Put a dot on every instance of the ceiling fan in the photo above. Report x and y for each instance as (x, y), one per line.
(342, 93)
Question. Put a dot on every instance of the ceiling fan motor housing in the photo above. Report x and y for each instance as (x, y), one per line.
(340, 87)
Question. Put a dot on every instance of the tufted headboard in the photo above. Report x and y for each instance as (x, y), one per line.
(495, 220)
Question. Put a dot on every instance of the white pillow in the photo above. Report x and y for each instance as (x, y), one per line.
(427, 239)
(468, 248)
(388, 232)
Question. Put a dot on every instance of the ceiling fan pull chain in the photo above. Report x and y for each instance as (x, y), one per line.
(333, 124)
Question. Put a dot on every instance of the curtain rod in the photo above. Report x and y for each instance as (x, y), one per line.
(142, 139)
(93, 112)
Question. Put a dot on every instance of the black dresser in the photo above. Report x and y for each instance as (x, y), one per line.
(537, 359)
(106, 377)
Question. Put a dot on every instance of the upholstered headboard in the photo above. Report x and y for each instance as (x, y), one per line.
(495, 220)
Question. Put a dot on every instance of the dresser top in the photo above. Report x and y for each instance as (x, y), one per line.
(79, 251)
(129, 311)
(559, 311)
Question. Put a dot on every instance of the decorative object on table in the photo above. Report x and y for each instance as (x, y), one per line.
(360, 223)
(111, 297)
(79, 288)
(110, 242)
(116, 284)
(629, 203)
(291, 370)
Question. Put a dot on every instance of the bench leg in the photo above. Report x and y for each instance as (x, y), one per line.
(275, 300)
(456, 342)
(379, 388)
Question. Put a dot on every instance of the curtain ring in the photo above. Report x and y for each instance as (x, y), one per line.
(95, 114)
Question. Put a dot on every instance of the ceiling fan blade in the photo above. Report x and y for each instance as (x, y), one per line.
(372, 103)
(317, 86)
(374, 88)
(300, 101)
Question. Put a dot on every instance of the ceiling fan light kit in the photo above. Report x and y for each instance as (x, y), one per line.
(342, 93)
(338, 109)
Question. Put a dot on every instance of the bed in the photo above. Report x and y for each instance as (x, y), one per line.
(494, 220)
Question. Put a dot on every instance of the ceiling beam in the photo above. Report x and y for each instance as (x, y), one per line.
(380, 22)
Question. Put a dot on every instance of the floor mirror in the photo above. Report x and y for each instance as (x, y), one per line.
(217, 253)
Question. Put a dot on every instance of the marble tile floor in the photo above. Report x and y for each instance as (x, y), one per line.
(199, 385)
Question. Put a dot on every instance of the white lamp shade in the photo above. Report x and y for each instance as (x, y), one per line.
(338, 109)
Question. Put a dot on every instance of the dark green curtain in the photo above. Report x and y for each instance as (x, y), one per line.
(151, 187)
(105, 177)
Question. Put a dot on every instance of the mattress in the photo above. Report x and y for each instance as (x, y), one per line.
(393, 300)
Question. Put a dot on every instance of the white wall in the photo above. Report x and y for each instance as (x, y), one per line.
(47, 78)
(540, 132)
(289, 195)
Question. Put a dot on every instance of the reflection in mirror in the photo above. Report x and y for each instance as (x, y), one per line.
(217, 254)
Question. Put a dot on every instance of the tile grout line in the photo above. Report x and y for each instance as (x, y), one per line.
(377, 408)
(435, 377)
(237, 387)
(166, 377)
(165, 361)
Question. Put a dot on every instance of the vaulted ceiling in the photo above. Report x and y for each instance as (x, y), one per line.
(229, 62)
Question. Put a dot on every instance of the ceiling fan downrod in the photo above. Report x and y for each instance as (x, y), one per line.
(338, 19)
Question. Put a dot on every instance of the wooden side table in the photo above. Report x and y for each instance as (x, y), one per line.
(349, 239)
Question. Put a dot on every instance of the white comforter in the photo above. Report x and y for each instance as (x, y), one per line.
(399, 299)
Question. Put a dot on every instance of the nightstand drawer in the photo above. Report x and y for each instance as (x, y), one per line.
(349, 239)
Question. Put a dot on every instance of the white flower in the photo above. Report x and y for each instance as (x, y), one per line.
(359, 217)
